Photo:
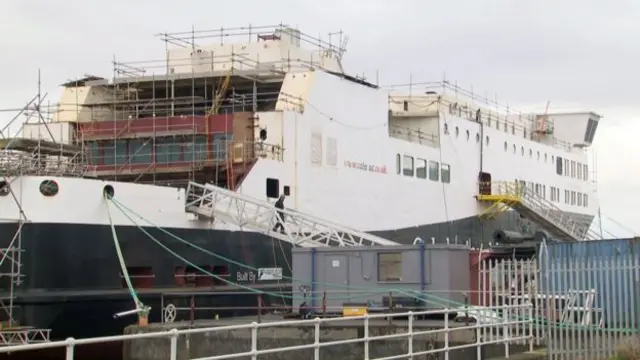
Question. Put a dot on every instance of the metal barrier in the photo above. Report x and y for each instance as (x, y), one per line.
(585, 303)
(512, 329)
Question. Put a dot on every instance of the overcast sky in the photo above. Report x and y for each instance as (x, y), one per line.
(577, 54)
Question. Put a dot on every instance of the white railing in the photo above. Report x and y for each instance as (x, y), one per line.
(512, 329)
(543, 208)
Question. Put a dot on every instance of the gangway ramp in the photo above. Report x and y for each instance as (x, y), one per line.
(300, 229)
(525, 201)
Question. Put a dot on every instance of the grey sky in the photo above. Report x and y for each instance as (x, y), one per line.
(578, 54)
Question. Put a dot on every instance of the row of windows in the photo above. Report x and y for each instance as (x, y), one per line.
(163, 150)
(422, 169)
(570, 197)
(514, 148)
(573, 169)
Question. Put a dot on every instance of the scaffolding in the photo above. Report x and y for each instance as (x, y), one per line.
(18, 157)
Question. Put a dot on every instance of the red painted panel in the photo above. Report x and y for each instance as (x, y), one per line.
(175, 124)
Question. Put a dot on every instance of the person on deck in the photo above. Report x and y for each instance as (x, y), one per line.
(280, 214)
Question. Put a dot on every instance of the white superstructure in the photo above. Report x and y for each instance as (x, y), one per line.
(376, 159)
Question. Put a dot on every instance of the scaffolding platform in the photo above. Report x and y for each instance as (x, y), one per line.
(23, 336)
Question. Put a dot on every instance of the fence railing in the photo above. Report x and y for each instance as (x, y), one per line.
(408, 343)
(584, 307)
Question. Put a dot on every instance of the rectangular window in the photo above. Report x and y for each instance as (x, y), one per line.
(559, 166)
(579, 171)
(434, 171)
(585, 172)
(390, 267)
(579, 203)
(573, 198)
(407, 165)
(553, 194)
(398, 164)
(585, 200)
(445, 173)
(421, 168)
(573, 169)
(537, 189)
(566, 167)
(544, 191)
(567, 196)
(140, 151)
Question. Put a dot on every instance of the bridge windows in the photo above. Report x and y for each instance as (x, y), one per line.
(420, 168)
(434, 171)
(585, 200)
(445, 173)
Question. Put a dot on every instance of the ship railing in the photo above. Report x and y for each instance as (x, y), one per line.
(529, 196)
(414, 135)
(510, 330)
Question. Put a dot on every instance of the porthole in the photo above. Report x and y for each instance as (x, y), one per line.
(477, 138)
(49, 188)
(468, 135)
(522, 150)
(457, 131)
(108, 191)
(4, 188)
(530, 153)
(505, 146)
(486, 140)
(545, 157)
(514, 148)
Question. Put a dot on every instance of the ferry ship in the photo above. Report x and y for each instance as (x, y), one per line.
(275, 113)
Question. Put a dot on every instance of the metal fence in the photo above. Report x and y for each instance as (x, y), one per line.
(584, 296)
(413, 336)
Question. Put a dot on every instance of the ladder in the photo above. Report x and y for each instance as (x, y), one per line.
(216, 203)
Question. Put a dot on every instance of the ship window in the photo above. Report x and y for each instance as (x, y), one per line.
(477, 137)
(273, 188)
(434, 171)
(585, 172)
(4, 188)
(579, 171)
(192, 276)
(497, 124)
(390, 267)
(287, 190)
(513, 129)
(553, 159)
(489, 120)
(567, 194)
(446, 129)
(445, 173)
(530, 153)
(486, 140)
(585, 200)
(405, 105)
(49, 188)
(553, 193)
(398, 164)
(538, 155)
(579, 199)
(524, 132)
(140, 151)
(506, 126)
(573, 198)
(505, 146)
(545, 157)
(421, 168)
(468, 135)
(522, 150)
(457, 131)
(407, 165)
(566, 167)
(558, 165)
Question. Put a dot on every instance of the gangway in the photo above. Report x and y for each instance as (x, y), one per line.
(216, 203)
(525, 201)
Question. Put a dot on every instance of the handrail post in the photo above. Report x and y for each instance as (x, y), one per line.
(366, 336)
(173, 352)
(410, 334)
(254, 341)
(316, 341)
(71, 343)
